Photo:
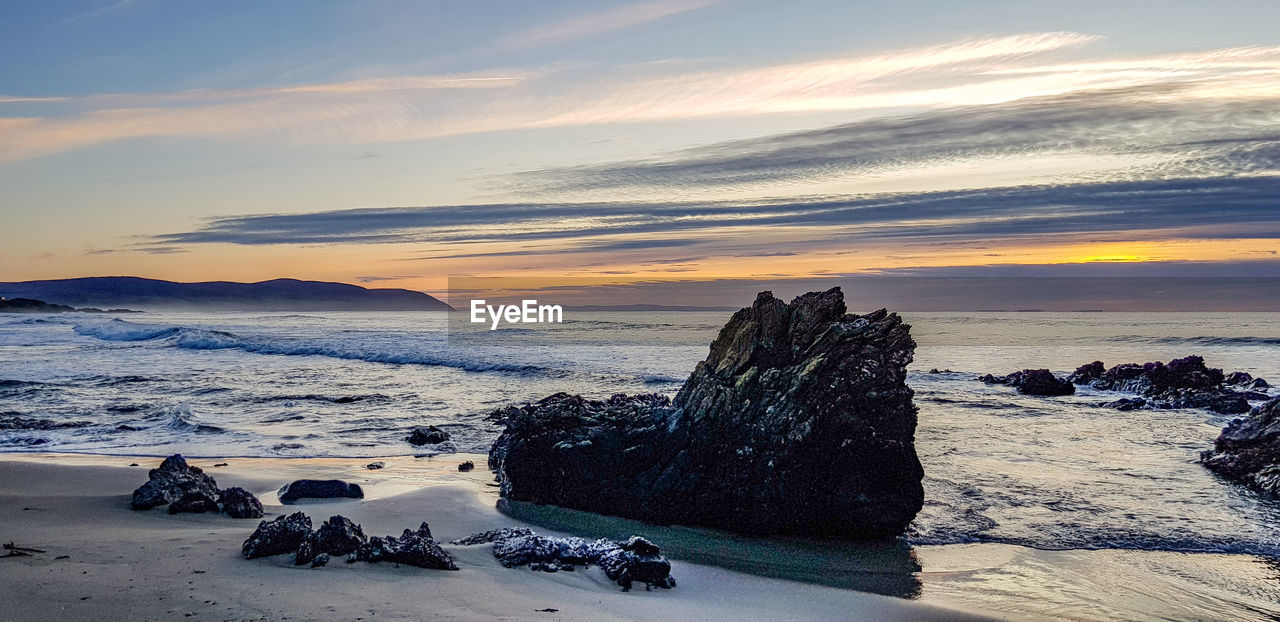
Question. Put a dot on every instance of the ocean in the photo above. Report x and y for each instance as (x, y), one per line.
(1052, 474)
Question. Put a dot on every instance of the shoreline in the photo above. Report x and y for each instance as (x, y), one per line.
(154, 565)
(120, 558)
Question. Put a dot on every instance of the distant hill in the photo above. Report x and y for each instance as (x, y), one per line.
(275, 295)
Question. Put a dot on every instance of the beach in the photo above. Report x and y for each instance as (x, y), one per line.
(152, 565)
(1034, 507)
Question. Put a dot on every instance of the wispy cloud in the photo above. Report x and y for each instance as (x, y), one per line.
(599, 23)
(1149, 131)
(1241, 207)
(104, 10)
(971, 71)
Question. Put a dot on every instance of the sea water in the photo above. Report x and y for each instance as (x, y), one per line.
(1057, 473)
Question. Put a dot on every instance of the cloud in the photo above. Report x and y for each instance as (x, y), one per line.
(1243, 207)
(403, 108)
(1150, 131)
(599, 23)
(102, 11)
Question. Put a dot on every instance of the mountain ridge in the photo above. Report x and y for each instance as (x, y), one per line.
(283, 294)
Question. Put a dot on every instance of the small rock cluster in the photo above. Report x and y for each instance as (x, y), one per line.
(185, 488)
(635, 561)
(1181, 383)
(338, 536)
(1033, 382)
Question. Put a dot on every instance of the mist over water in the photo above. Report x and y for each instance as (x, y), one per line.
(1052, 473)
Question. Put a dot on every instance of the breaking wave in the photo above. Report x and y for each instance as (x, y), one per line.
(190, 338)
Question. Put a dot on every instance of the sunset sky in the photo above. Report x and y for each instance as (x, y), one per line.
(398, 143)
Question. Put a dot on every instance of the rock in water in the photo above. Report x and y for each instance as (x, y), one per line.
(430, 435)
(1248, 450)
(413, 548)
(319, 489)
(1034, 382)
(799, 421)
(635, 560)
(169, 482)
(1087, 373)
(336, 536)
(283, 535)
(240, 503)
(466, 466)
(1181, 383)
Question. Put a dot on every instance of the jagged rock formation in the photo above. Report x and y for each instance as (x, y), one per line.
(1181, 383)
(1033, 382)
(636, 560)
(283, 535)
(336, 536)
(1248, 450)
(412, 548)
(340, 536)
(185, 488)
(799, 421)
(169, 482)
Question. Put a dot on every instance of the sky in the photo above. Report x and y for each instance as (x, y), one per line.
(396, 144)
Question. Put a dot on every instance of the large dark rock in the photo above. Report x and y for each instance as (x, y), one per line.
(283, 535)
(430, 435)
(240, 503)
(636, 560)
(413, 548)
(169, 482)
(319, 489)
(1248, 450)
(799, 421)
(336, 536)
(1033, 382)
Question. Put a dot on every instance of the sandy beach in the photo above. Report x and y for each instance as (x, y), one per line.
(101, 560)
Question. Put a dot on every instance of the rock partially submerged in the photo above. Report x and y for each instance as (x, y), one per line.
(430, 435)
(1248, 450)
(1033, 382)
(283, 535)
(169, 482)
(319, 489)
(799, 421)
(1181, 383)
(636, 560)
(413, 548)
